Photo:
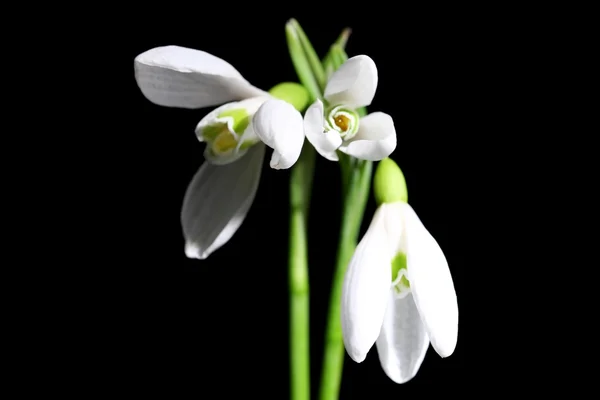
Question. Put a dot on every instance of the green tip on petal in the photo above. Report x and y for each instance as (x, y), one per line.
(293, 93)
(389, 184)
(398, 263)
(241, 119)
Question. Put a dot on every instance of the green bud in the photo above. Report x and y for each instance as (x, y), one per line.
(389, 184)
(293, 93)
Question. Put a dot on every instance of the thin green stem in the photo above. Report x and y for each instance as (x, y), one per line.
(300, 188)
(300, 192)
(356, 194)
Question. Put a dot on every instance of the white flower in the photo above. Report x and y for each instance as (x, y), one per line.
(339, 127)
(222, 191)
(400, 313)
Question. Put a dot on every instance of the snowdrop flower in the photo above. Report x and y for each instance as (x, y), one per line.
(339, 127)
(398, 292)
(222, 191)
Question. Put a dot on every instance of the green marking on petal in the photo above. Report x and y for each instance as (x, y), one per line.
(210, 132)
(241, 119)
(398, 263)
(405, 281)
(224, 143)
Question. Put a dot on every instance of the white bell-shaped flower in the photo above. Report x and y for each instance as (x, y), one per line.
(222, 191)
(398, 293)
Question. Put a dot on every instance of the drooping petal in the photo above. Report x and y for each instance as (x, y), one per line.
(375, 139)
(354, 83)
(279, 125)
(403, 342)
(365, 291)
(174, 76)
(326, 143)
(431, 283)
(217, 201)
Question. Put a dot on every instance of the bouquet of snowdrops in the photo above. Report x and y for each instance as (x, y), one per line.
(391, 288)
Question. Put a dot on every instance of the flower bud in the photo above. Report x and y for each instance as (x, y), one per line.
(293, 93)
(389, 184)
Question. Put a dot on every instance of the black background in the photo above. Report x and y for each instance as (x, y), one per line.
(221, 325)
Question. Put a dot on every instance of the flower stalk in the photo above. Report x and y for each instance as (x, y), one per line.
(312, 76)
(357, 175)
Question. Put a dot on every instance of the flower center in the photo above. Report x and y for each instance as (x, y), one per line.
(343, 120)
(224, 142)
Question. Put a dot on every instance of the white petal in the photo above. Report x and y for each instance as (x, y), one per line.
(431, 283)
(326, 143)
(354, 83)
(279, 125)
(174, 76)
(375, 139)
(403, 341)
(217, 201)
(366, 289)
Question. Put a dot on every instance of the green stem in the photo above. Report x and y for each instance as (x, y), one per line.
(300, 188)
(356, 194)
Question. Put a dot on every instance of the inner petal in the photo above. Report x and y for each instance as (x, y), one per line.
(224, 143)
(400, 282)
(343, 120)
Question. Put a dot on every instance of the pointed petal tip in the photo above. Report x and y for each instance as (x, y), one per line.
(357, 356)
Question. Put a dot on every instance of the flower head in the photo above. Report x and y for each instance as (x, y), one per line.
(398, 293)
(339, 127)
(222, 191)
